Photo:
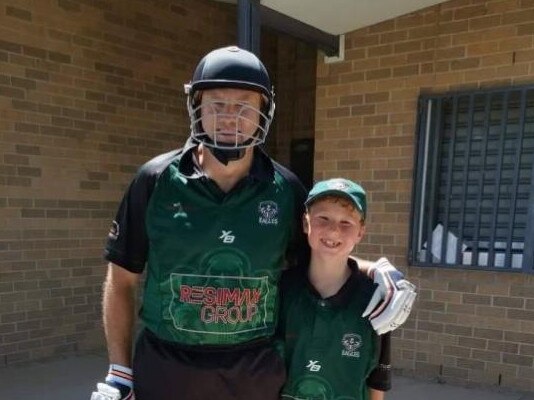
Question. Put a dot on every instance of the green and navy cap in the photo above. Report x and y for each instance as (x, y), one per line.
(342, 188)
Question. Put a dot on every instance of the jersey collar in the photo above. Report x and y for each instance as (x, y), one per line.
(344, 295)
(262, 168)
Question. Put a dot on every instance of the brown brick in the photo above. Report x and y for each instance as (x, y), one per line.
(470, 12)
(348, 165)
(522, 291)
(462, 287)
(23, 83)
(68, 5)
(375, 120)
(475, 343)
(493, 334)
(35, 74)
(509, 302)
(453, 27)
(520, 314)
(12, 92)
(18, 13)
(338, 112)
(526, 29)
(59, 57)
(487, 22)
(378, 74)
(408, 47)
(351, 100)
(27, 149)
(10, 47)
(407, 70)
(476, 299)
(382, 27)
(519, 16)
(423, 32)
(366, 109)
(483, 355)
(506, 347)
(466, 63)
(378, 51)
(98, 176)
(29, 171)
(363, 41)
(517, 360)
(393, 37)
(410, 20)
(523, 56)
(378, 97)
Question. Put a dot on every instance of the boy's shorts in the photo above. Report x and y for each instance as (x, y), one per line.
(166, 371)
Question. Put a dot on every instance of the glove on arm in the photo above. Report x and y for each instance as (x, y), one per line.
(118, 385)
(392, 300)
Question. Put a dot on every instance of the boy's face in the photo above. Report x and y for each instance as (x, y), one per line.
(230, 116)
(333, 227)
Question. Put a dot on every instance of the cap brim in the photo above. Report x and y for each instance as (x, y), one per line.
(337, 193)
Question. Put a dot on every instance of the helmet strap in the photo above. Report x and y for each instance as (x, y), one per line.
(225, 156)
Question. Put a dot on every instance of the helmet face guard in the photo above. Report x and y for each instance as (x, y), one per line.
(227, 124)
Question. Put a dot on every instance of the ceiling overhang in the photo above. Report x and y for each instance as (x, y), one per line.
(322, 21)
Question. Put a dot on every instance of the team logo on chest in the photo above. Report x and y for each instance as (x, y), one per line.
(268, 211)
(351, 343)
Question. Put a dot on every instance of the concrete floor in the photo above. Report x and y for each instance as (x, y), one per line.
(76, 377)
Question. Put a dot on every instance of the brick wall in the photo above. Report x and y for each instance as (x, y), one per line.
(294, 69)
(89, 90)
(468, 327)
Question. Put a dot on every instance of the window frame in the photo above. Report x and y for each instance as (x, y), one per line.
(430, 124)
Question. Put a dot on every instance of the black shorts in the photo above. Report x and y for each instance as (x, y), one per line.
(164, 371)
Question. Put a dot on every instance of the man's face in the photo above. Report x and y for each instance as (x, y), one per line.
(230, 116)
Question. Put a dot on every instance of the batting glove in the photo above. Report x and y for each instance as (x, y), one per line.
(118, 386)
(394, 297)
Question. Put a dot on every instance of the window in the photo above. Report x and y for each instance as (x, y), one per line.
(473, 181)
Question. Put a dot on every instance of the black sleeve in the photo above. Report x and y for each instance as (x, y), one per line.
(127, 243)
(380, 377)
(298, 251)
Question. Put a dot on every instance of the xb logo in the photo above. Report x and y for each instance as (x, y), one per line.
(227, 237)
(313, 366)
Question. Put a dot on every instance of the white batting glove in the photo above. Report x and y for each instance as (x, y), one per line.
(118, 386)
(394, 297)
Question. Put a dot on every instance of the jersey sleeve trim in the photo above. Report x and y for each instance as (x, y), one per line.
(127, 243)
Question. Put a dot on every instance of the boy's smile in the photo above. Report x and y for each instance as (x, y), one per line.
(333, 227)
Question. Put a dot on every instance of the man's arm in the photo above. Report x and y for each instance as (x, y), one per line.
(376, 394)
(364, 265)
(118, 308)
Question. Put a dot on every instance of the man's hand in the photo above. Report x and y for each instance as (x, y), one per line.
(394, 293)
(118, 386)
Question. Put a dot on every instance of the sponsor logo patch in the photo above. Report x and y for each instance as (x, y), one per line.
(313, 366)
(351, 342)
(268, 211)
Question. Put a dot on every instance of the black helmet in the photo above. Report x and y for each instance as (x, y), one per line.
(230, 67)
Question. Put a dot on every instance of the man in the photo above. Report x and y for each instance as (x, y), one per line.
(214, 223)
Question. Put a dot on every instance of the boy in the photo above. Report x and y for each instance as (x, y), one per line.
(330, 350)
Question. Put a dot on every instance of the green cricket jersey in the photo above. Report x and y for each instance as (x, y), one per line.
(330, 350)
(213, 259)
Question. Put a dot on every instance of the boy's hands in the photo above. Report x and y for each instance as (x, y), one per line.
(394, 297)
